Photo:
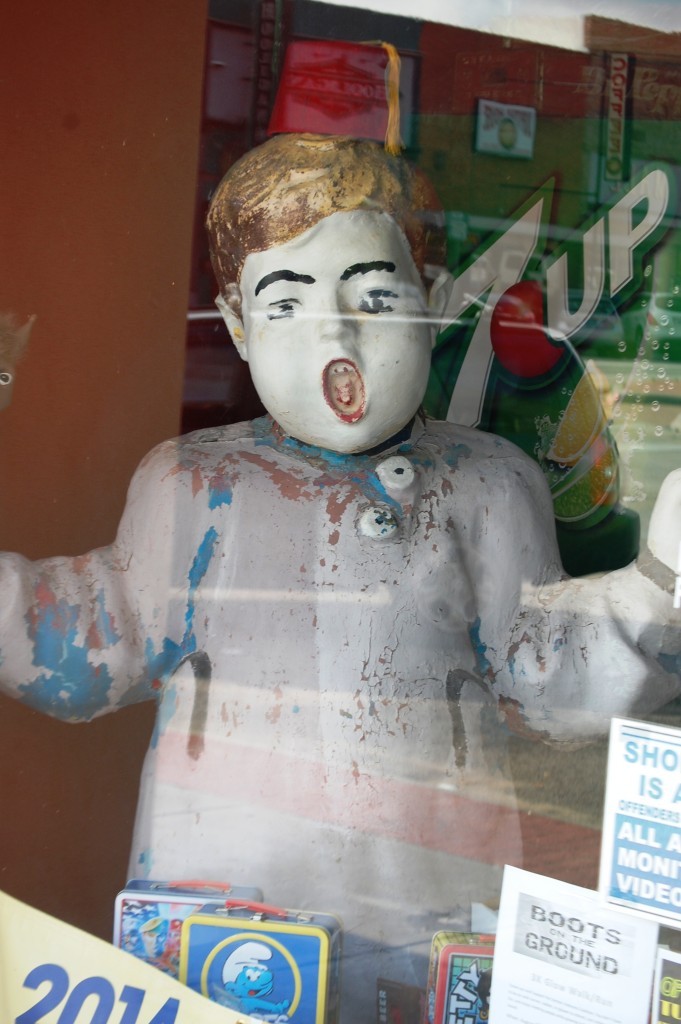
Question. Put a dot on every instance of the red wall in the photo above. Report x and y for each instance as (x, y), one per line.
(100, 108)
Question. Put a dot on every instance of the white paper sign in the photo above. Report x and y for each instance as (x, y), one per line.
(505, 129)
(560, 955)
(641, 845)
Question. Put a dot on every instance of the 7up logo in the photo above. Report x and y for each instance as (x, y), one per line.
(603, 257)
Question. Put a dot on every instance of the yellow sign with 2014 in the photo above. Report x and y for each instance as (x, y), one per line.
(52, 973)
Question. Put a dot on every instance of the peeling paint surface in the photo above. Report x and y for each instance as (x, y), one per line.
(68, 684)
(324, 692)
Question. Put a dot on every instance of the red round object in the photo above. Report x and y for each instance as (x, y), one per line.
(519, 337)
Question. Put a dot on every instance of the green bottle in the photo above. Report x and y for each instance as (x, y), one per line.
(539, 394)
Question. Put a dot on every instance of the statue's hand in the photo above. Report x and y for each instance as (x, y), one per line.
(664, 533)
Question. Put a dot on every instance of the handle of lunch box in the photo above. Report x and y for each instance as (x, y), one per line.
(191, 884)
(257, 908)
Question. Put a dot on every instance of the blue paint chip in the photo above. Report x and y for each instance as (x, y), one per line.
(105, 622)
(145, 863)
(202, 559)
(160, 663)
(480, 649)
(219, 496)
(455, 454)
(72, 687)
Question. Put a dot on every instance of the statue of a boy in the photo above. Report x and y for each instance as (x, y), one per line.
(324, 603)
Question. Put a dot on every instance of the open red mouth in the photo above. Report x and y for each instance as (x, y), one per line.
(344, 390)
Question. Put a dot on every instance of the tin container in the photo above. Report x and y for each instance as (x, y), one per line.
(459, 978)
(273, 964)
(148, 916)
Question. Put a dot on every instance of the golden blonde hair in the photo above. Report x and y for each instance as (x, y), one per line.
(280, 189)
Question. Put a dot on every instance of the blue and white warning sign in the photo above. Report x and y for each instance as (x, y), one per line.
(641, 848)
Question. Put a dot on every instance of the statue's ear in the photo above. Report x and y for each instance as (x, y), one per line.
(438, 297)
(229, 305)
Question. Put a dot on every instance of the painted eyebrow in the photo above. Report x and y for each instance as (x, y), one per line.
(366, 268)
(282, 275)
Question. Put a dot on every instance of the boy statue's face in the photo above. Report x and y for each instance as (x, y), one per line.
(335, 327)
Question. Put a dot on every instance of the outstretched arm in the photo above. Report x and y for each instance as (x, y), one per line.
(83, 636)
(565, 655)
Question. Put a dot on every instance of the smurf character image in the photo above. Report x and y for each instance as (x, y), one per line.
(248, 981)
(340, 608)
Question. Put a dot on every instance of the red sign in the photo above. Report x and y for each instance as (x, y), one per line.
(333, 88)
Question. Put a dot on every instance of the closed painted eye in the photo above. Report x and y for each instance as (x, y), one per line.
(282, 309)
(374, 301)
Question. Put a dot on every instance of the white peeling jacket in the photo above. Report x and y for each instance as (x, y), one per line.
(332, 641)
